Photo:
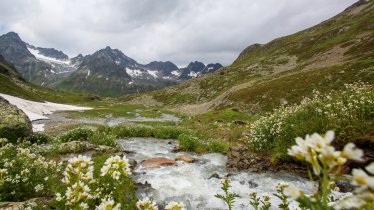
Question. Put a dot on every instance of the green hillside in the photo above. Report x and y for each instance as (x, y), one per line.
(283, 71)
(13, 84)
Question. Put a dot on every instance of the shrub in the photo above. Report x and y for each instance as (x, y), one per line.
(103, 138)
(38, 138)
(168, 132)
(217, 146)
(349, 112)
(24, 175)
(189, 142)
(77, 134)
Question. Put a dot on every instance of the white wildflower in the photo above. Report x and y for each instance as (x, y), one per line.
(175, 206)
(146, 204)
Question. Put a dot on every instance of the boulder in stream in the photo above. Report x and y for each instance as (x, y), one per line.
(185, 158)
(157, 162)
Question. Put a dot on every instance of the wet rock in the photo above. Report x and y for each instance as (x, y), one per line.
(157, 162)
(102, 148)
(14, 123)
(185, 158)
(133, 164)
(344, 186)
(175, 150)
(215, 175)
(145, 188)
(252, 184)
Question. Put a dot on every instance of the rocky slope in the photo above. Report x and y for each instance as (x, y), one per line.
(265, 76)
(39, 65)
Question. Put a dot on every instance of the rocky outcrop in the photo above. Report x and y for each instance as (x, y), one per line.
(157, 162)
(14, 123)
(241, 158)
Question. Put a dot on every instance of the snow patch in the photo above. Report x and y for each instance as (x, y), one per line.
(193, 74)
(153, 73)
(47, 59)
(134, 72)
(37, 110)
(176, 73)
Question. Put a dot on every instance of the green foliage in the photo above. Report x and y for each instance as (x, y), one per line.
(189, 142)
(77, 134)
(228, 198)
(15, 133)
(38, 138)
(349, 112)
(24, 174)
(103, 138)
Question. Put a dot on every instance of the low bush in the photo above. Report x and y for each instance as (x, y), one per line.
(189, 142)
(38, 138)
(349, 112)
(77, 134)
(24, 174)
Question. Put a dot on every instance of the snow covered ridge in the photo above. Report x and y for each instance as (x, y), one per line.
(37, 110)
(44, 58)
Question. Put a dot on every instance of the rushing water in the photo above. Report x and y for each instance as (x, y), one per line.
(191, 182)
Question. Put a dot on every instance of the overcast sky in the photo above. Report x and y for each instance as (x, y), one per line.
(176, 30)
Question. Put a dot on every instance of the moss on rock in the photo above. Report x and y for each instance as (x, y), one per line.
(14, 123)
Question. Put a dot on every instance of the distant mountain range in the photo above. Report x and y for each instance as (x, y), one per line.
(107, 72)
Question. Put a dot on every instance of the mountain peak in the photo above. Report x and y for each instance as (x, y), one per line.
(12, 36)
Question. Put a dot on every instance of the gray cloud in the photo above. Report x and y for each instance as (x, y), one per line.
(177, 30)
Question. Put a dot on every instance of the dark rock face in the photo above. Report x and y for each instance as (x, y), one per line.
(197, 68)
(14, 123)
(53, 53)
(211, 68)
(165, 67)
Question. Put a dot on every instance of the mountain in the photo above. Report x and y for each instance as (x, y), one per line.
(42, 66)
(264, 76)
(164, 67)
(109, 72)
(197, 68)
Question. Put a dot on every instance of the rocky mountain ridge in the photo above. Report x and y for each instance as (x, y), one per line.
(118, 73)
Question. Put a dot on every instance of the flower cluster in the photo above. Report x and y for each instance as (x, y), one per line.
(78, 175)
(323, 157)
(24, 172)
(317, 151)
(79, 168)
(116, 166)
(339, 110)
(108, 204)
(112, 189)
(175, 206)
(146, 204)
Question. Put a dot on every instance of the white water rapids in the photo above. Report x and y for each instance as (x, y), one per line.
(191, 182)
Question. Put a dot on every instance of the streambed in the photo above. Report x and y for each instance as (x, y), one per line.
(192, 183)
